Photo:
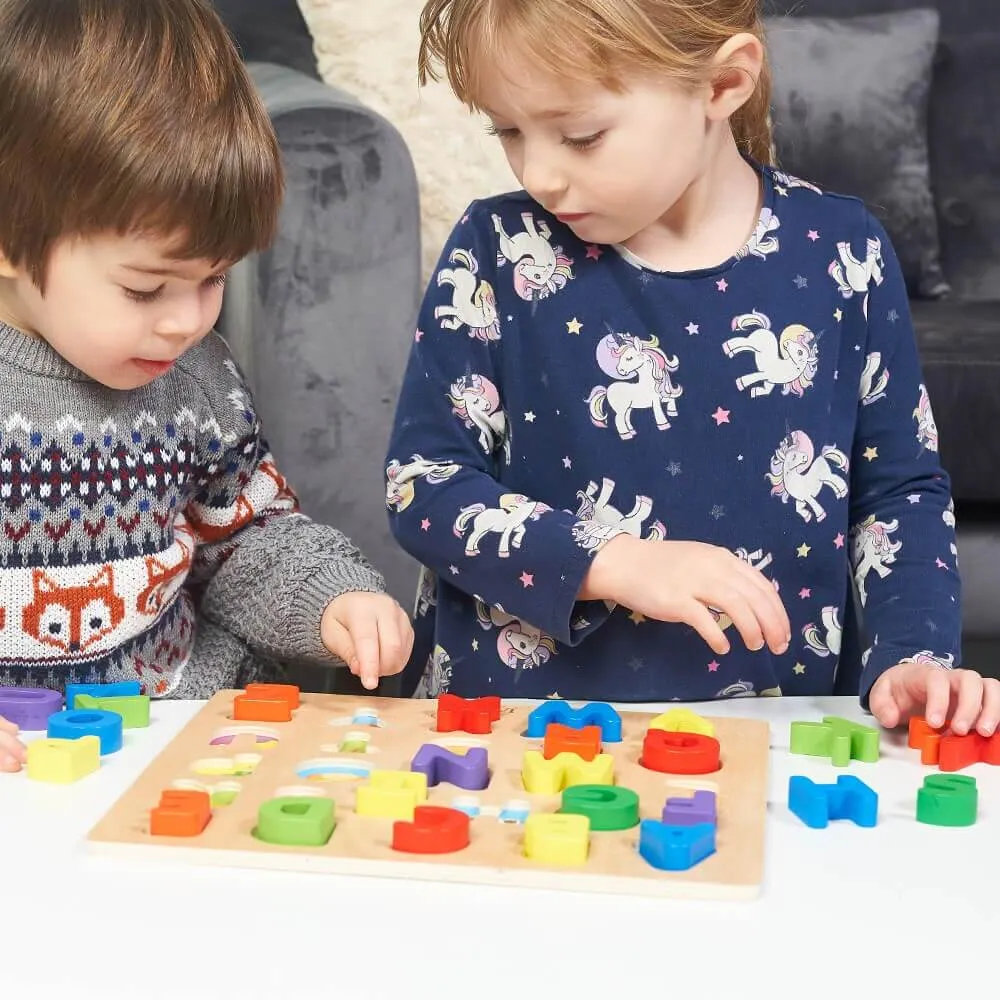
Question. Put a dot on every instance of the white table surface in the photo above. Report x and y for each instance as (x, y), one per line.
(900, 906)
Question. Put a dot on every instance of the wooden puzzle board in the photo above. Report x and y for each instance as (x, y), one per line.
(360, 845)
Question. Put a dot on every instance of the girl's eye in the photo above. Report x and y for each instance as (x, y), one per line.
(584, 142)
(136, 296)
(501, 133)
(217, 279)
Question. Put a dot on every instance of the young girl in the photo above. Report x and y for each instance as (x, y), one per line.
(666, 399)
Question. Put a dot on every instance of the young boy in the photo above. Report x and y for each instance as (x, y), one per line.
(146, 532)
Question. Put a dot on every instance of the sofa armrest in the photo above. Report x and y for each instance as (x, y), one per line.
(322, 321)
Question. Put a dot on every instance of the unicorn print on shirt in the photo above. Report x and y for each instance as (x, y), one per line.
(540, 269)
(520, 646)
(476, 402)
(798, 473)
(853, 276)
(399, 479)
(599, 521)
(473, 301)
(507, 521)
(790, 360)
(927, 432)
(874, 551)
(825, 640)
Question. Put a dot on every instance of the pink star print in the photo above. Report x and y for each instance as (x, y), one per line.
(418, 335)
(722, 284)
(813, 235)
(839, 541)
(805, 592)
(593, 251)
(713, 666)
(940, 564)
(528, 579)
(720, 417)
(425, 524)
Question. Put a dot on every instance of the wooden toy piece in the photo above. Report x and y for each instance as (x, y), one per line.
(470, 770)
(29, 708)
(816, 805)
(948, 800)
(433, 830)
(595, 713)
(250, 709)
(275, 692)
(585, 742)
(680, 753)
(469, 715)
(62, 761)
(950, 751)
(683, 720)
(307, 758)
(391, 794)
(607, 807)
(675, 848)
(691, 811)
(181, 813)
(923, 737)
(296, 820)
(134, 709)
(549, 777)
(74, 723)
(839, 739)
(557, 839)
(118, 689)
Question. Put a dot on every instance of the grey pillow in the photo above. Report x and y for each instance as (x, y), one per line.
(850, 114)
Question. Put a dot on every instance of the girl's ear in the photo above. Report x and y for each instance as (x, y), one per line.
(734, 73)
(7, 270)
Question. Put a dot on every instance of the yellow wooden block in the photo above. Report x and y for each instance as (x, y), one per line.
(549, 777)
(683, 720)
(557, 838)
(391, 794)
(62, 762)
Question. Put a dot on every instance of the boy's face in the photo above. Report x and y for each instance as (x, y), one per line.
(118, 308)
(609, 164)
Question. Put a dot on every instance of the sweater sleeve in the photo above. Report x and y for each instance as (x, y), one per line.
(263, 570)
(903, 549)
(447, 504)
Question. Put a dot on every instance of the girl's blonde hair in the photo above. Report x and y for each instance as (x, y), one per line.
(588, 39)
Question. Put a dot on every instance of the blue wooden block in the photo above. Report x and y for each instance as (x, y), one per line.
(675, 848)
(595, 713)
(74, 723)
(119, 689)
(816, 805)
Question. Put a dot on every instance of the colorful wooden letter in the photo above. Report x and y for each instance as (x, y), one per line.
(683, 720)
(675, 848)
(557, 839)
(549, 777)
(391, 794)
(62, 762)
(133, 708)
(950, 751)
(181, 813)
(29, 708)
(948, 800)
(839, 739)
(816, 805)
(585, 742)
(691, 811)
(608, 807)
(469, 715)
(74, 723)
(595, 713)
(434, 830)
(680, 753)
(469, 770)
(296, 820)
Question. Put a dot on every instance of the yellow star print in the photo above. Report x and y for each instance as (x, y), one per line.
(803, 550)
(574, 326)
(638, 617)
(799, 668)
(871, 453)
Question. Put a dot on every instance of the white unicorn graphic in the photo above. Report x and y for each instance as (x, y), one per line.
(790, 360)
(927, 432)
(519, 645)
(507, 521)
(620, 356)
(436, 677)
(426, 592)
(475, 400)
(853, 276)
(874, 551)
(540, 269)
(473, 301)
(759, 560)
(763, 241)
(789, 181)
(599, 521)
(825, 641)
(930, 659)
(399, 478)
(871, 388)
(798, 473)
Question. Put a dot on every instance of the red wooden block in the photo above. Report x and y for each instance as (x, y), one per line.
(434, 830)
(585, 742)
(247, 709)
(950, 751)
(181, 813)
(274, 692)
(680, 753)
(470, 715)
(926, 739)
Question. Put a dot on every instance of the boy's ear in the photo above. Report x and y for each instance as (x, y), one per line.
(736, 69)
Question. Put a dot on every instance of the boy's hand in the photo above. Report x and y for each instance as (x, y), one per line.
(371, 633)
(680, 581)
(13, 753)
(908, 689)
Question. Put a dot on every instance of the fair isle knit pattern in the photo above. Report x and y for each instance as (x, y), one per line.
(148, 534)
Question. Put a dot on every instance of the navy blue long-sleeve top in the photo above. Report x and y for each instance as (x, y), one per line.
(559, 393)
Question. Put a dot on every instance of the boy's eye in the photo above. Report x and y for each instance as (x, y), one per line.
(138, 296)
(583, 142)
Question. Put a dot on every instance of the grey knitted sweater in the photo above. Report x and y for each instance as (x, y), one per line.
(148, 534)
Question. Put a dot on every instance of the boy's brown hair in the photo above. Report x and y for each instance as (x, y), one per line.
(132, 117)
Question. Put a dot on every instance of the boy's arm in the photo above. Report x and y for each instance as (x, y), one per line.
(450, 442)
(263, 570)
(903, 548)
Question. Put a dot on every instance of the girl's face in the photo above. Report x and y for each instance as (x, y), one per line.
(608, 164)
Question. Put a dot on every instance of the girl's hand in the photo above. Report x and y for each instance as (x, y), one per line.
(680, 581)
(13, 753)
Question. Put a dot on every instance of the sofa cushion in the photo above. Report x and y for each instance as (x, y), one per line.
(270, 31)
(850, 113)
(959, 345)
